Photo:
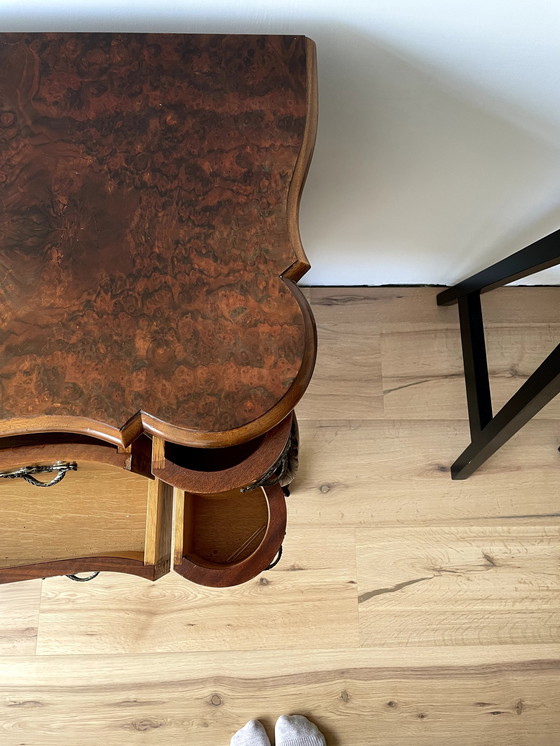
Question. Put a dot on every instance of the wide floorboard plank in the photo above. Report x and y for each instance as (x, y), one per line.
(465, 585)
(309, 596)
(504, 696)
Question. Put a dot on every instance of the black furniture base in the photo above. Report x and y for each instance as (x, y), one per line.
(489, 432)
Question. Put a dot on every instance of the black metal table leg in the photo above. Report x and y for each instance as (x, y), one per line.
(475, 363)
(488, 432)
(539, 255)
(540, 388)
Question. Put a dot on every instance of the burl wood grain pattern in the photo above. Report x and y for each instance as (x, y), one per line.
(148, 233)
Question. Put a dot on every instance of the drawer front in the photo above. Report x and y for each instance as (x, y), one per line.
(213, 470)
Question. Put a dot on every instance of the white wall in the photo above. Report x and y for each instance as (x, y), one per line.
(439, 137)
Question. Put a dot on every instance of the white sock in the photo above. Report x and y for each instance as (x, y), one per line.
(297, 730)
(252, 734)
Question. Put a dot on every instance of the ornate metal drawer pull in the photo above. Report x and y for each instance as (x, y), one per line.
(285, 467)
(77, 579)
(276, 560)
(26, 472)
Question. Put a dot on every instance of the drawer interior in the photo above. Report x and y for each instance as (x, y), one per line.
(95, 511)
(209, 471)
(228, 538)
(223, 529)
(211, 459)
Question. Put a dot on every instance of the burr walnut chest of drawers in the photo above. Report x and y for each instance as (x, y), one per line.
(153, 340)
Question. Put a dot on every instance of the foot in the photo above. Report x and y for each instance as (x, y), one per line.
(297, 730)
(252, 734)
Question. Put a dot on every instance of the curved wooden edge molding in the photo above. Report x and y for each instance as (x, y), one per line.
(62, 424)
(12, 457)
(222, 576)
(250, 468)
(23, 451)
(48, 569)
(296, 271)
(256, 427)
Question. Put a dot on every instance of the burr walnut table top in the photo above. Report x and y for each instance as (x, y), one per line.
(149, 248)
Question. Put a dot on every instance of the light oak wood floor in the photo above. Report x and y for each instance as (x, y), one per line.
(408, 609)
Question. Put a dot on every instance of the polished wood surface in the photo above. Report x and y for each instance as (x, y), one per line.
(30, 450)
(343, 629)
(149, 242)
(121, 562)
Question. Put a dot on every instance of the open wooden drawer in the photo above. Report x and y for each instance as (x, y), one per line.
(210, 471)
(106, 511)
(99, 516)
(227, 539)
(230, 509)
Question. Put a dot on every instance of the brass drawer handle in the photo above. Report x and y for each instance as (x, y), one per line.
(26, 472)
